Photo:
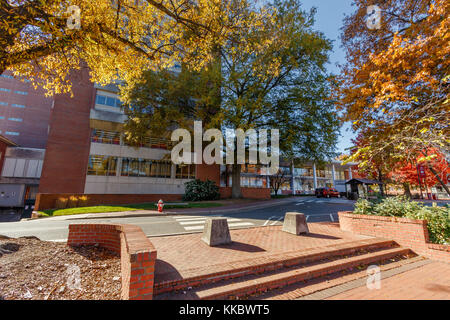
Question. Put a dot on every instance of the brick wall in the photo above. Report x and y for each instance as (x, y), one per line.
(249, 193)
(208, 171)
(406, 232)
(137, 254)
(47, 200)
(67, 153)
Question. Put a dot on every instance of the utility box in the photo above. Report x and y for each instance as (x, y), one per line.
(12, 195)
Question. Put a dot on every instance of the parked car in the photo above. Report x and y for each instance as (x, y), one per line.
(327, 192)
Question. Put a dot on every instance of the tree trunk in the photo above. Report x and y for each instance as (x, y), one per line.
(439, 179)
(236, 181)
(380, 178)
(407, 190)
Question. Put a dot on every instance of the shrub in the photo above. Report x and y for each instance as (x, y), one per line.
(438, 222)
(197, 190)
(438, 218)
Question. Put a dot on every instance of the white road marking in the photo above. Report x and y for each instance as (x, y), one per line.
(331, 216)
(203, 221)
(307, 217)
(268, 220)
(238, 224)
(273, 223)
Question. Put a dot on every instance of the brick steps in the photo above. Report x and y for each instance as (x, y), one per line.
(320, 285)
(221, 272)
(255, 284)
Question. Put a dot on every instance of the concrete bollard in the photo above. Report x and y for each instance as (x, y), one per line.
(295, 223)
(216, 232)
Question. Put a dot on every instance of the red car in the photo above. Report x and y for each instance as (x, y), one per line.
(327, 192)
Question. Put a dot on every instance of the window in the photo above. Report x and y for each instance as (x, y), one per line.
(6, 76)
(3, 103)
(107, 101)
(17, 105)
(102, 165)
(132, 167)
(21, 92)
(5, 90)
(105, 136)
(185, 171)
(16, 119)
(12, 133)
(2, 117)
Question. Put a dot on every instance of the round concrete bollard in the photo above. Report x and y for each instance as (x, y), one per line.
(295, 223)
(216, 232)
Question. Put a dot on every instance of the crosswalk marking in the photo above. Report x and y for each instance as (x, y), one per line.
(192, 223)
(202, 221)
(238, 224)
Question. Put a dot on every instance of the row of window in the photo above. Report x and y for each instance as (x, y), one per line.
(11, 133)
(11, 77)
(133, 167)
(15, 105)
(12, 119)
(108, 101)
(113, 137)
(16, 91)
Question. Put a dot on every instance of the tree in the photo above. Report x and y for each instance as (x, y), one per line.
(115, 39)
(284, 86)
(395, 84)
(267, 76)
(277, 180)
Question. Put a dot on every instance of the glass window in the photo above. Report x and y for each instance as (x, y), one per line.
(145, 168)
(185, 171)
(102, 165)
(3, 103)
(100, 99)
(5, 90)
(110, 101)
(15, 119)
(21, 92)
(17, 105)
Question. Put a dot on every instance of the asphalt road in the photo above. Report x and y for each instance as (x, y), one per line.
(56, 229)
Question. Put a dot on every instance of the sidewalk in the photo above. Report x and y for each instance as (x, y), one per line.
(235, 207)
(429, 282)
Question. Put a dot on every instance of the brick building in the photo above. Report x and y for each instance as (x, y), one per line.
(85, 153)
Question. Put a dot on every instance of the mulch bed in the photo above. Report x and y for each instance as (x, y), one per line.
(31, 269)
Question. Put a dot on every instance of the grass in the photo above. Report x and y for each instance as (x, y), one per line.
(119, 208)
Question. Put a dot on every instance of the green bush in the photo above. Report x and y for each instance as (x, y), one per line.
(198, 190)
(438, 218)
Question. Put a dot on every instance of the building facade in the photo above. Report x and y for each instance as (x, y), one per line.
(86, 155)
(24, 112)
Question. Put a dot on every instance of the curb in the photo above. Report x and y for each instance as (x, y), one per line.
(176, 213)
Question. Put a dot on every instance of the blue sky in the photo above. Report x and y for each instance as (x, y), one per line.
(329, 16)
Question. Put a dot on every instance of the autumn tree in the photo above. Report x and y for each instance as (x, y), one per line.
(395, 84)
(115, 39)
(267, 77)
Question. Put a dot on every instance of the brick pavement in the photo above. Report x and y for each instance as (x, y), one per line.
(428, 282)
(179, 255)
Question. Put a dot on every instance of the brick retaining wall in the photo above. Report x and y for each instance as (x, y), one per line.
(406, 232)
(137, 254)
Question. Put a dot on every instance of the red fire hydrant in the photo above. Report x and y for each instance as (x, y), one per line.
(160, 205)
